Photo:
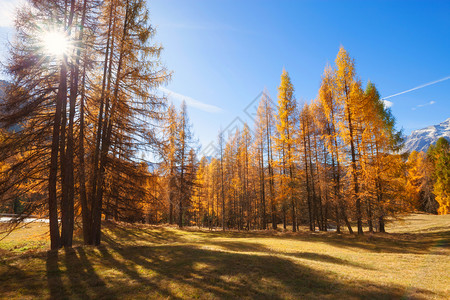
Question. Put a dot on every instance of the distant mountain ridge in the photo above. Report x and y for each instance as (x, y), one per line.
(421, 139)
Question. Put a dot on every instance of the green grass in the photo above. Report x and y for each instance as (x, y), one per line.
(140, 262)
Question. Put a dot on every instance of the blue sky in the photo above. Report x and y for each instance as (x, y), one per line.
(223, 53)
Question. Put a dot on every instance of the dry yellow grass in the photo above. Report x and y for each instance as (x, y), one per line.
(138, 261)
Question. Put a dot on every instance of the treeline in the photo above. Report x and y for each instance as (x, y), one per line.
(74, 126)
(428, 178)
(85, 114)
(330, 163)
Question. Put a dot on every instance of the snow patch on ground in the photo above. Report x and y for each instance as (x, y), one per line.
(26, 220)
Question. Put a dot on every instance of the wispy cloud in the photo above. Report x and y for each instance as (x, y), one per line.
(422, 105)
(387, 103)
(7, 11)
(191, 102)
(418, 87)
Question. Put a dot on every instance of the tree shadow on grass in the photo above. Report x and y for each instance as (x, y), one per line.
(79, 268)
(408, 243)
(222, 269)
(189, 271)
(83, 282)
(54, 280)
(328, 259)
(135, 279)
(411, 243)
(13, 279)
(260, 248)
(154, 234)
(219, 274)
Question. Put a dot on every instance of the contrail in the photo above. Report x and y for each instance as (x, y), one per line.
(418, 87)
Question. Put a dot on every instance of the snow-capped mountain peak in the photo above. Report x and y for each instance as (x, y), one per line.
(421, 139)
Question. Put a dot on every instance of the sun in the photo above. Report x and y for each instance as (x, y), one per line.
(55, 42)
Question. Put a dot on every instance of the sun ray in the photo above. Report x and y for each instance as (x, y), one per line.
(55, 42)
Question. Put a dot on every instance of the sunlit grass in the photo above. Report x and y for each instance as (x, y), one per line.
(138, 261)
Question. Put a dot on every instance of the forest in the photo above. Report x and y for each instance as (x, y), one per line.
(82, 106)
(107, 190)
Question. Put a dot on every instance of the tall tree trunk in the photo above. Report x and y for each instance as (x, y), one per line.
(85, 210)
(319, 190)
(100, 124)
(308, 191)
(263, 188)
(222, 184)
(65, 205)
(52, 180)
(271, 180)
(182, 189)
(69, 161)
(107, 132)
(313, 188)
(66, 222)
(354, 172)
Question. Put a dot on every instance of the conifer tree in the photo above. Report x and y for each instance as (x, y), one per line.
(419, 185)
(56, 95)
(440, 156)
(285, 141)
(264, 138)
(349, 94)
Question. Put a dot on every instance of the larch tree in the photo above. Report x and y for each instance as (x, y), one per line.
(439, 155)
(349, 94)
(379, 141)
(99, 84)
(264, 132)
(285, 125)
(169, 156)
(37, 99)
(333, 109)
(419, 185)
(132, 71)
(185, 156)
(221, 144)
(303, 141)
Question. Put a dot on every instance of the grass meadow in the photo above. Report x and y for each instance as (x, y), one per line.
(412, 261)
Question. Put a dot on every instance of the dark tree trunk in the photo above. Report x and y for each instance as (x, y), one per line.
(369, 215)
(354, 173)
(338, 219)
(308, 191)
(85, 211)
(381, 224)
(52, 184)
(65, 205)
(344, 216)
(69, 161)
(263, 193)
